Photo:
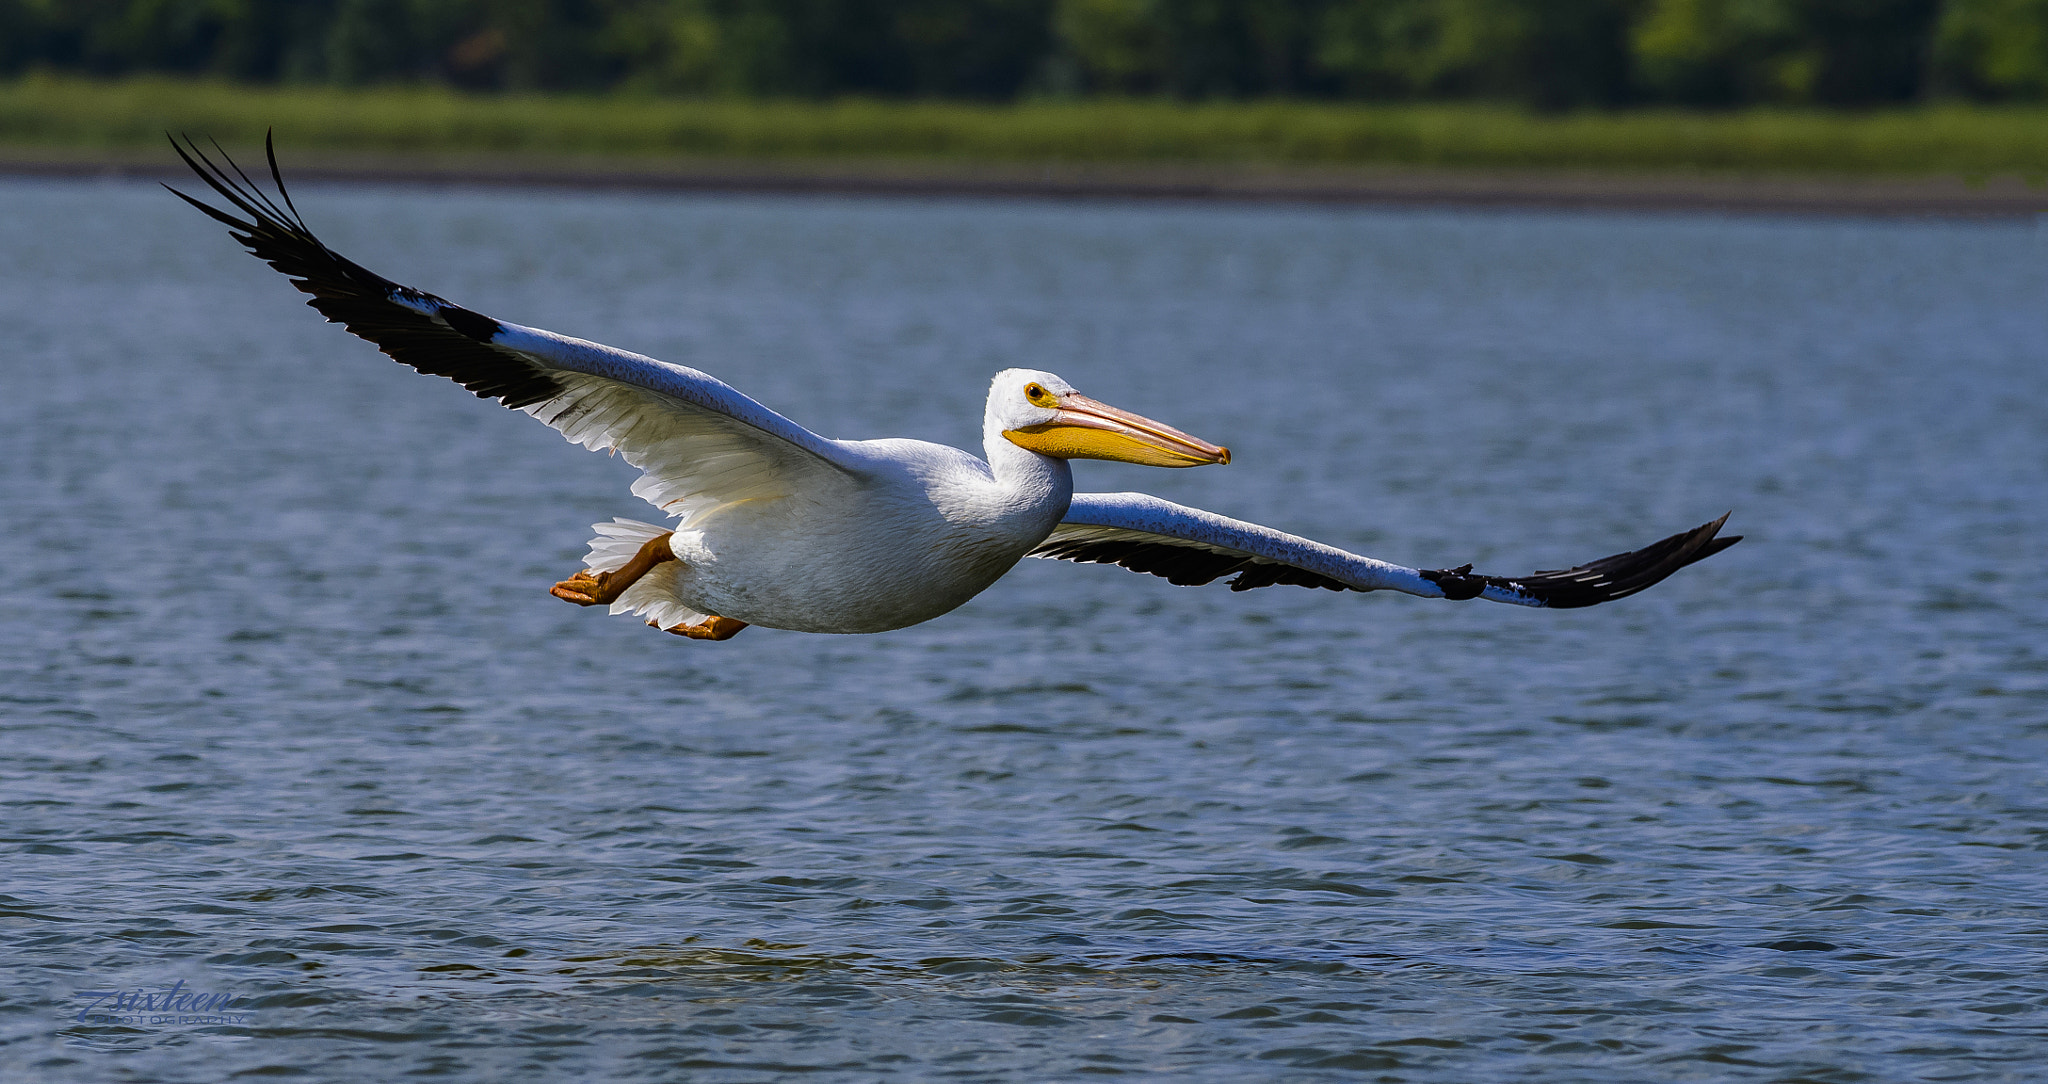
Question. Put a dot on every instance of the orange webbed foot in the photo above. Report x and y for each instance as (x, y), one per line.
(711, 628)
(583, 589)
(587, 588)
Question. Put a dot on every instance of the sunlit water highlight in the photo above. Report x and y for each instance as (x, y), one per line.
(286, 713)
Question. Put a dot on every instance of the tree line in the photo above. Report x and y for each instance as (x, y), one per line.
(1551, 54)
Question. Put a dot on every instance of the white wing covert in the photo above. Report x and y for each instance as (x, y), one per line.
(701, 443)
(1189, 547)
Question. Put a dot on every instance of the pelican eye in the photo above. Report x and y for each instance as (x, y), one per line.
(1038, 395)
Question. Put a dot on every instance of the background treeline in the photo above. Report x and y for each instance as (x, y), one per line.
(1554, 54)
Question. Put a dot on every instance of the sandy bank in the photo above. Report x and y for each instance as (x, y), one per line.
(1938, 197)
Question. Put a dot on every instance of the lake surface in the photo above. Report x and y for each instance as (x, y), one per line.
(287, 716)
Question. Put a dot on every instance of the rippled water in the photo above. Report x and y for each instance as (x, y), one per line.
(286, 714)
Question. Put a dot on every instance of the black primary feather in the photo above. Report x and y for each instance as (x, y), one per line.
(447, 340)
(1604, 580)
(1186, 566)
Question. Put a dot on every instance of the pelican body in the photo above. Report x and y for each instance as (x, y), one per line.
(889, 533)
(780, 527)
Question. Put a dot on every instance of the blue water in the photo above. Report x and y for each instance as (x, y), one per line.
(287, 716)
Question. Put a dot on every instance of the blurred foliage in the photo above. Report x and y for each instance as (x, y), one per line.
(1549, 54)
(65, 113)
(1996, 49)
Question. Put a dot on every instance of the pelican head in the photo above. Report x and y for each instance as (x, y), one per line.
(1041, 412)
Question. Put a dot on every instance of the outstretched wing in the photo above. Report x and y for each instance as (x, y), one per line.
(701, 444)
(1189, 546)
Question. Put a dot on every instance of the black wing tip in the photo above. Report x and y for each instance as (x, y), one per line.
(450, 341)
(1594, 582)
(266, 219)
(1715, 546)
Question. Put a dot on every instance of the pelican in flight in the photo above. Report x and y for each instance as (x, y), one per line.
(780, 527)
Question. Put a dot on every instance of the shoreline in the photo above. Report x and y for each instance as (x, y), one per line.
(1889, 197)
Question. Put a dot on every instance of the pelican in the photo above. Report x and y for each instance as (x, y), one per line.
(780, 527)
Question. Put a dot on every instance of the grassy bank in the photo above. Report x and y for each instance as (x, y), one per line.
(71, 114)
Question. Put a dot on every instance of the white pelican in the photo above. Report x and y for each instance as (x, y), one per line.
(780, 527)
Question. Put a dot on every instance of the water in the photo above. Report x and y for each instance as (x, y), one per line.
(287, 715)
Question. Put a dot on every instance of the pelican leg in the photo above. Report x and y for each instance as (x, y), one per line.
(711, 628)
(604, 588)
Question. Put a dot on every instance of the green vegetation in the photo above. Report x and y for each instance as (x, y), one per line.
(1550, 54)
(74, 114)
(1751, 86)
